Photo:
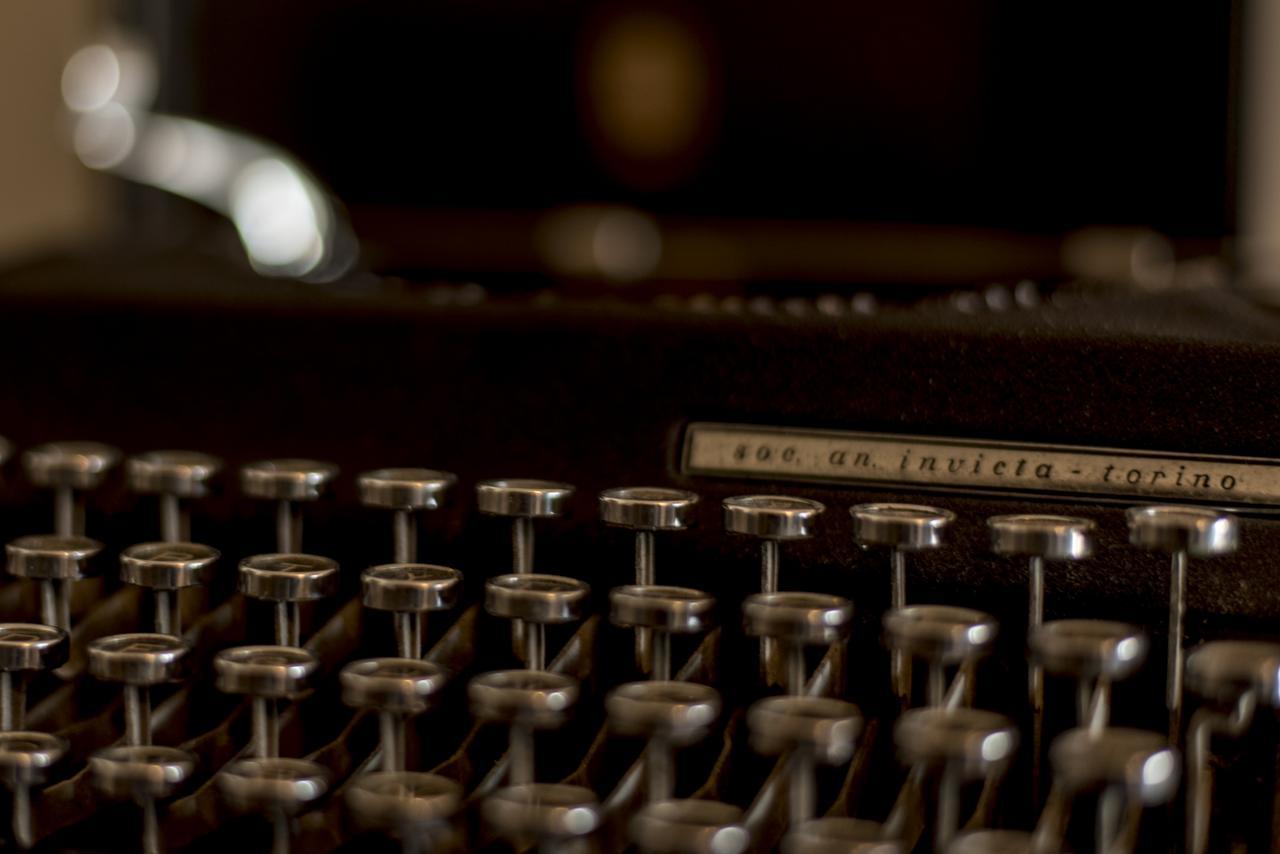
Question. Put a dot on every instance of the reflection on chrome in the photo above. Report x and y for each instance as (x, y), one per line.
(289, 225)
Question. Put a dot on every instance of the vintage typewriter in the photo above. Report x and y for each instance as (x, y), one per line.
(505, 522)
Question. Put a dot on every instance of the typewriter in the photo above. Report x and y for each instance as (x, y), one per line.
(370, 490)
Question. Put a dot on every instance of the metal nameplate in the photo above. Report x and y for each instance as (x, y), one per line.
(963, 465)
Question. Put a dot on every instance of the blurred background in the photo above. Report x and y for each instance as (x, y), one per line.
(916, 142)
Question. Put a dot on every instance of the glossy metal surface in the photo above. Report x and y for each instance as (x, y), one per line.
(288, 577)
(677, 610)
(536, 598)
(411, 587)
(940, 632)
(680, 712)
(49, 556)
(804, 618)
(976, 741)
(1049, 537)
(265, 671)
(536, 699)
(1224, 670)
(827, 727)
(78, 465)
(1089, 648)
(648, 508)
(542, 811)
(1140, 761)
(403, 686)
(168, 566)
(138, 658)
(32, 646)
(287, 480)
(689, 827)
(405, 488)
(908, 527)
(771, 517)
(523, 497)
(141, 772)
(185, 474)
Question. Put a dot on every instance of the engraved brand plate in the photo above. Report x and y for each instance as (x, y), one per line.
(962, 465)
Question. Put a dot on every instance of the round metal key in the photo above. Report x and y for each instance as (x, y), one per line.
(942, 635)
(662, 611)
(69, 469)
(958, 744)
(288, 482)
(25, 760)
(268, 674)
(1181, 532)
(536, 601)
(277, 788)
(139, 661)
(523, 498)
(525, 700)
(815, 730)
(795, 620)
(397, 688)
(288, 580)
(1140, 762)
(166, 568)
(1095, 653)
(648, 508)
(689, 827)
(173, 476)
(406, 492)
(542, 813)
(406, 804)
(56, 562)
(900, 528)
(668, 715)
(25, 648)
(410, 590)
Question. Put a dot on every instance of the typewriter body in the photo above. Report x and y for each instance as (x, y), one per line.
(832, 546)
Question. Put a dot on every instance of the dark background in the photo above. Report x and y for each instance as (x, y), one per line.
(1037, 117)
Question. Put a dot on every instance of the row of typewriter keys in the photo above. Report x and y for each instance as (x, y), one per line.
(809, 729)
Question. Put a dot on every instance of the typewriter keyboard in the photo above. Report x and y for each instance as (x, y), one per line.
(172, 680)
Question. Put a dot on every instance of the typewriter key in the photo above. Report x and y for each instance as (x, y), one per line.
(279, 789)
(1040, 538)
(813, 730)
(288, 580)
(689, 827)
(138, 661)
(1240, 675)
(1130, 768)
(1182, 532)
(836, 835)
(942, 635)
(410, 590)
(167, 568)
(797, 620)
(397, 689)
(900, 528)
(56, 562)
(961, 744)
(69, 469)
(771, 519)
(525, 700)
(173, 476)
(414, 807)
(406, 492)
(268, 674)
(25, 759)
(548, 816)
(646, 510)
(536, 601)
(993, 842)
(145, 774)
(670, 715)
(522, 501)
(288, 482)
(1096, 653)
(24, 649)
(662, 611)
